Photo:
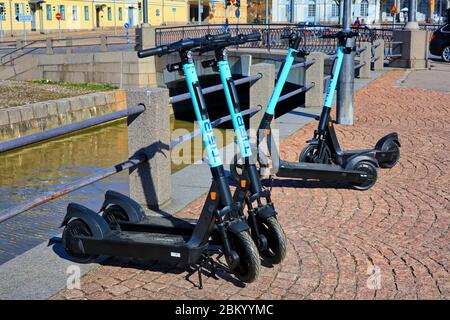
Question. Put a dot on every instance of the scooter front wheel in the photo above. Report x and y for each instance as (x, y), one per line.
(309, 155)
(249, 265)
(393, 147)
(371, 170)
(74, 228)
(276, 240)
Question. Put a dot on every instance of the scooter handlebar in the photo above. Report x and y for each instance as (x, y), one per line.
(183, 45)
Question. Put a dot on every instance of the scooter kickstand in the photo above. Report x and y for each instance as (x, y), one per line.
(199, 268)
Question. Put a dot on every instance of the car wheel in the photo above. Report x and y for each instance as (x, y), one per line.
(446, 53)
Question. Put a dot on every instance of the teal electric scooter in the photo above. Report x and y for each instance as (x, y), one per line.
(261, 215)
(359, 170)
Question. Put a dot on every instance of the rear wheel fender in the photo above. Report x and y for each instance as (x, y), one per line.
(96, 224)
(133, 210)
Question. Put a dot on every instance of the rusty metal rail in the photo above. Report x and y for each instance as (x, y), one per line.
(67, 188)
(104, 173)
(67, 129)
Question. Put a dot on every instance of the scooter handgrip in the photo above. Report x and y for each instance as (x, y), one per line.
(150, 52)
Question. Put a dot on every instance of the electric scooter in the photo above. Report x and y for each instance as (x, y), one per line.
(360, 169)
(87, 234)
(265, 228)
(324, 147)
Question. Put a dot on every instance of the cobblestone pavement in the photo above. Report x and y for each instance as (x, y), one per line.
(391, 242)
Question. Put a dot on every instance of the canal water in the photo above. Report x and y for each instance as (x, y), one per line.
(34, 170)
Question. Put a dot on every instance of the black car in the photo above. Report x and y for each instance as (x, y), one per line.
(440, 43)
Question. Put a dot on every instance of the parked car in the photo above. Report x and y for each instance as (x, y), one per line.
(440, 43)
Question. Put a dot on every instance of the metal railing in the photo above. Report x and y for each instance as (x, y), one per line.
(98, 43)
(271, 34)
(67, 129)
(392, 50)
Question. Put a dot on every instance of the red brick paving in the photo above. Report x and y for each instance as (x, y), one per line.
(337, 236)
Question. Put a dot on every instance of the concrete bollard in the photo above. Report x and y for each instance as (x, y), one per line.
(103, 43)
(314, 74)
(149, 133)
(378, 65)
(260, 93)
(49, 46)
(69, 44)
(365, 57)
(413, 48)
(246, 63)
(145, 37)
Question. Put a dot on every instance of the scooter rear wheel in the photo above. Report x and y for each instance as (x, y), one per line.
(392, 146)
(276, 240)
(309, 155)
(113, 214)
(371, 170)
(74, 228)
(249, 265)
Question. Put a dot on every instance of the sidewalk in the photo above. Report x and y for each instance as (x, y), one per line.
(340, 240)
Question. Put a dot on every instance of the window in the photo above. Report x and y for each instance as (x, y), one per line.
(109, 14)
(16, 9)
(86, 13)
(334, 10)
(48, 12)
(74, 13)
(364, 10)
(311, 10)
(120, 14)
(62, 10)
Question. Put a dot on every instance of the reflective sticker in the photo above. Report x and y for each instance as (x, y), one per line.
(242, 136)
(210, 144)
(236, 117)
(207, 133)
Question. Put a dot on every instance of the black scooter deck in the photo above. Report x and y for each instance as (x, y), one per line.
(153, 246)
(170, 225)
(319, 171)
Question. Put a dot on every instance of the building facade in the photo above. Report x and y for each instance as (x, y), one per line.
(214, 11)
(94, 14)
(368, 11)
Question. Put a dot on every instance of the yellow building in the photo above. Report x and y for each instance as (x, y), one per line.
(92, 14)
(213, 11)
